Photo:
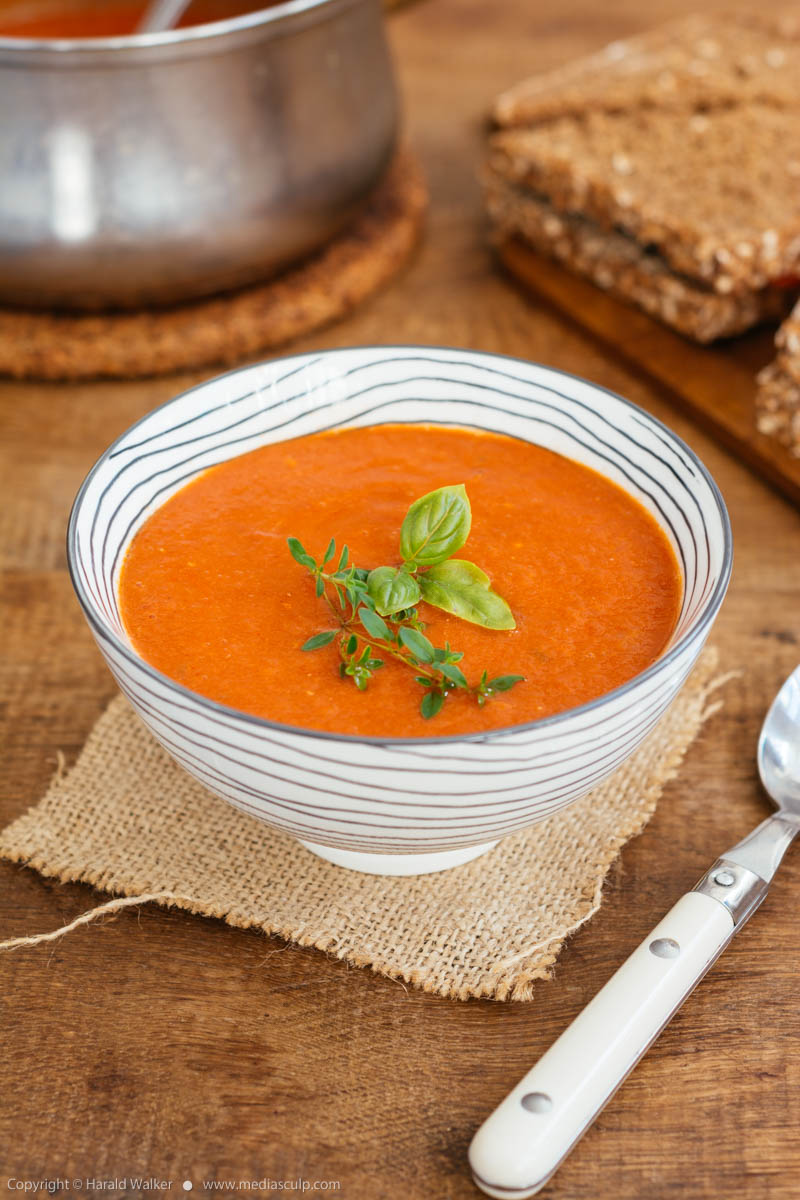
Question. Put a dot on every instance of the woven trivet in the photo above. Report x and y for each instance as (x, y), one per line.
(129, 821)
(228, 328)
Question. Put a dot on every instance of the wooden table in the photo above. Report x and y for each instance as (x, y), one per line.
(158, 1044)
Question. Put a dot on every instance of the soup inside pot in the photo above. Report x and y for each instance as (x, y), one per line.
(105, 18)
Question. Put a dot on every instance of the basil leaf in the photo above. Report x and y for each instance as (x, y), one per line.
(414, 641)
(461, 588)
(431, 704)
(318, 640)
(375, 626)
(392, 590)
(436, 526)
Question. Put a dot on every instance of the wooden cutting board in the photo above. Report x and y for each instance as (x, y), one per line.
(715, 384)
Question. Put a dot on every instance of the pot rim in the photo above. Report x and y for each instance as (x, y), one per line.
(277, 21)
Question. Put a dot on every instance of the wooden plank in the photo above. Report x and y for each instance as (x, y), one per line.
(714, 384)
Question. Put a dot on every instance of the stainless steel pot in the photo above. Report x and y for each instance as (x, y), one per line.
(153, 168)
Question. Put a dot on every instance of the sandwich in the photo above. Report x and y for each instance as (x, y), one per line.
(666, 169)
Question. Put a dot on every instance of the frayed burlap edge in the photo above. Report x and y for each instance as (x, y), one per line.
(488, 929)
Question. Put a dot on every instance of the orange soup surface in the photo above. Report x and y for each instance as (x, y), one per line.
(211, 596)
(105, 18)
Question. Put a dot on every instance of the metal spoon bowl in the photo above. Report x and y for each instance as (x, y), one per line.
(779, 747)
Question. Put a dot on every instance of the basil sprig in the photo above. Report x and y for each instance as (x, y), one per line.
(376, 610)
(435, 527)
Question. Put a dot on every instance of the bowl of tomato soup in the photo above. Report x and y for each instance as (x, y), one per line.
(223, 546)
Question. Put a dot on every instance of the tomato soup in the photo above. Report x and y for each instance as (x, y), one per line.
(211, 596)
(105, 18)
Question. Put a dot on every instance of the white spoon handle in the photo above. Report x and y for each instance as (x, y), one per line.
(522, 1143)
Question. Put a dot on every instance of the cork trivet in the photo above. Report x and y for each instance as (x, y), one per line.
(129, 821)
(228, 328)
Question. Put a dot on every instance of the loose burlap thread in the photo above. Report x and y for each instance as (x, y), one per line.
(129, 821)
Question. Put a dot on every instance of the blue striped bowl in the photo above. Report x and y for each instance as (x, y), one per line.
(404, 805)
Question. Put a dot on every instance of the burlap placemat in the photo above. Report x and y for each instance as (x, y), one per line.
(129, 821)
(225, 329)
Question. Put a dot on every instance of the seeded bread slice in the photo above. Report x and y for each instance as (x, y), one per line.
(778, 406)
(691, 64)
(717, 194)
(686, 138)
(618, 264)
(787, 341)
(778, 395)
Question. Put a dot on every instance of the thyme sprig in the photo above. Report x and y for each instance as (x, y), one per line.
(376, 610)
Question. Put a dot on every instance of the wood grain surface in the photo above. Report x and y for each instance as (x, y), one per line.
(175, 1047)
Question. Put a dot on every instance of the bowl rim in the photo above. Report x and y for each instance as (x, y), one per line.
(276, 15)
(701, 625)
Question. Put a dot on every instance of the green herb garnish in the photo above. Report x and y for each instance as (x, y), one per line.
(376, 610)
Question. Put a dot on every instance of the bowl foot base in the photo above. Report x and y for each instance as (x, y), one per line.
(398, 864)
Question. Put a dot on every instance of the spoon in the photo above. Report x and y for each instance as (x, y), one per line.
(520, 1146)
(161, 15)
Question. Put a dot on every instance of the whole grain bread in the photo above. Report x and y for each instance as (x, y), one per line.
(717, 194)
(618, 264)
(694, 63)
(778, 406)
(707, 171)
(787, 342)
(778, 395)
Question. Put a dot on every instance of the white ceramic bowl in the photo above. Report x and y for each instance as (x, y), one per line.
(403, 805)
